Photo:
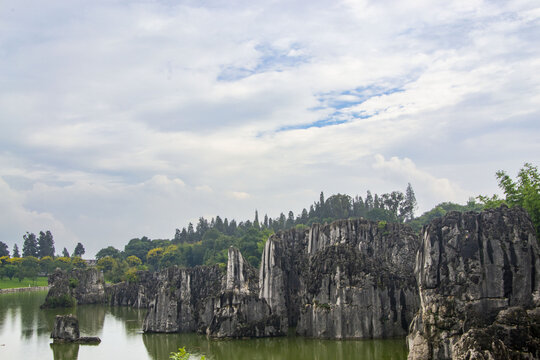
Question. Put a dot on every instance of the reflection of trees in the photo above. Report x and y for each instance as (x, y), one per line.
(65, 351)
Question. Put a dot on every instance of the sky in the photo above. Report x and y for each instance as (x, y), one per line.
(122, 119)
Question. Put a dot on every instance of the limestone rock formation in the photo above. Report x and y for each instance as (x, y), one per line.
(238, 311)
(81, 286)
(66, 329)
(471, 268)
(179, 302)
(349, 279)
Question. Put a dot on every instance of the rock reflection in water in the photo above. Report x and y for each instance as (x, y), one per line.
(65, 351)
(159, 346)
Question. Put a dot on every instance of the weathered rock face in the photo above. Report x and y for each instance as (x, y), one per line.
(359, 283)
(89, 286)
(280, 272)
(136, 294)
(349, 279)
(470, 268)
(238, 311)
(66, 328)
(81, 286)
(179, 302)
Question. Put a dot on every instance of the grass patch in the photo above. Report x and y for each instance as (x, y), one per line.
(5, 283)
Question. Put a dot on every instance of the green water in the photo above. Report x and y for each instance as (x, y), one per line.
(25, 331)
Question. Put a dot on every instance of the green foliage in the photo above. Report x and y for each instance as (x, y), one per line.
(79, 250)
(60, 301)
(524, 192)
(3, 249)
(382, 224)
(207, 242)
(29, 267)
(63, 263)
(46, 265)
(131, 275)
(73, 283)
(78, 262)
(30, 245)
(133, 261)
(7, 283)
(441, 210)
(182, 354)
(46, 244)
(108, 251)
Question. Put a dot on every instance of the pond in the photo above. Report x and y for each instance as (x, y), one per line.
(25, 331)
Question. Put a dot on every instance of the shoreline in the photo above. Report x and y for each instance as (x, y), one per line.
(23, 289)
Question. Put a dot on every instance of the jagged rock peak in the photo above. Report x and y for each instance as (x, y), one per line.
(470, 268)
(241, 276)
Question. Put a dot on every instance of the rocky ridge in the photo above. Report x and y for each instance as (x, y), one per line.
(469, 288)
(478, 278)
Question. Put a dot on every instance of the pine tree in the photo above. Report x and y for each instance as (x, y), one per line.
(369, 201)
(65, 253)
(46, 244)
(409, 204)
(30, 245)
(16, 252)
(256, 224)
(3, 249)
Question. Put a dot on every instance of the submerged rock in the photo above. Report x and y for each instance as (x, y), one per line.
(477, 272)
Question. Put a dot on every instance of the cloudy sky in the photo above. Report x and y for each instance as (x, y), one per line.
(120, 119)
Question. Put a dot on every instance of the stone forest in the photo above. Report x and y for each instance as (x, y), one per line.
(467, 287)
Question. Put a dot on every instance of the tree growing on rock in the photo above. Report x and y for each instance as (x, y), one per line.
(524, 192)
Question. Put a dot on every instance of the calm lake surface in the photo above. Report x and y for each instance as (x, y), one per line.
(25, 331)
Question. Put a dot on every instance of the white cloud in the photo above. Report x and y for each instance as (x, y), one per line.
(428, 187)
(126, 119)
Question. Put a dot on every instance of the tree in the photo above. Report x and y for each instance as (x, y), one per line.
(134, 261)
(524, 192)
(153, 257)
(3, 249)
(408, 206)
(78, 262)
(108, 251)
(107, 264)
(30, 245)
(63, 262)
(369, 201)
(79, 250)
(16, 253)
(46, 265)
(256, 221)
(45, 244)
(29, 268)
(65, 253)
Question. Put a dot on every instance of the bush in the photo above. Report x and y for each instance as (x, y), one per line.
(60, 301)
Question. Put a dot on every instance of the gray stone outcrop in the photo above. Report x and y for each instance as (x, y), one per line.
(238, 311)
(477, 272)
(349, 279)
(66, 329)
(179, 302)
